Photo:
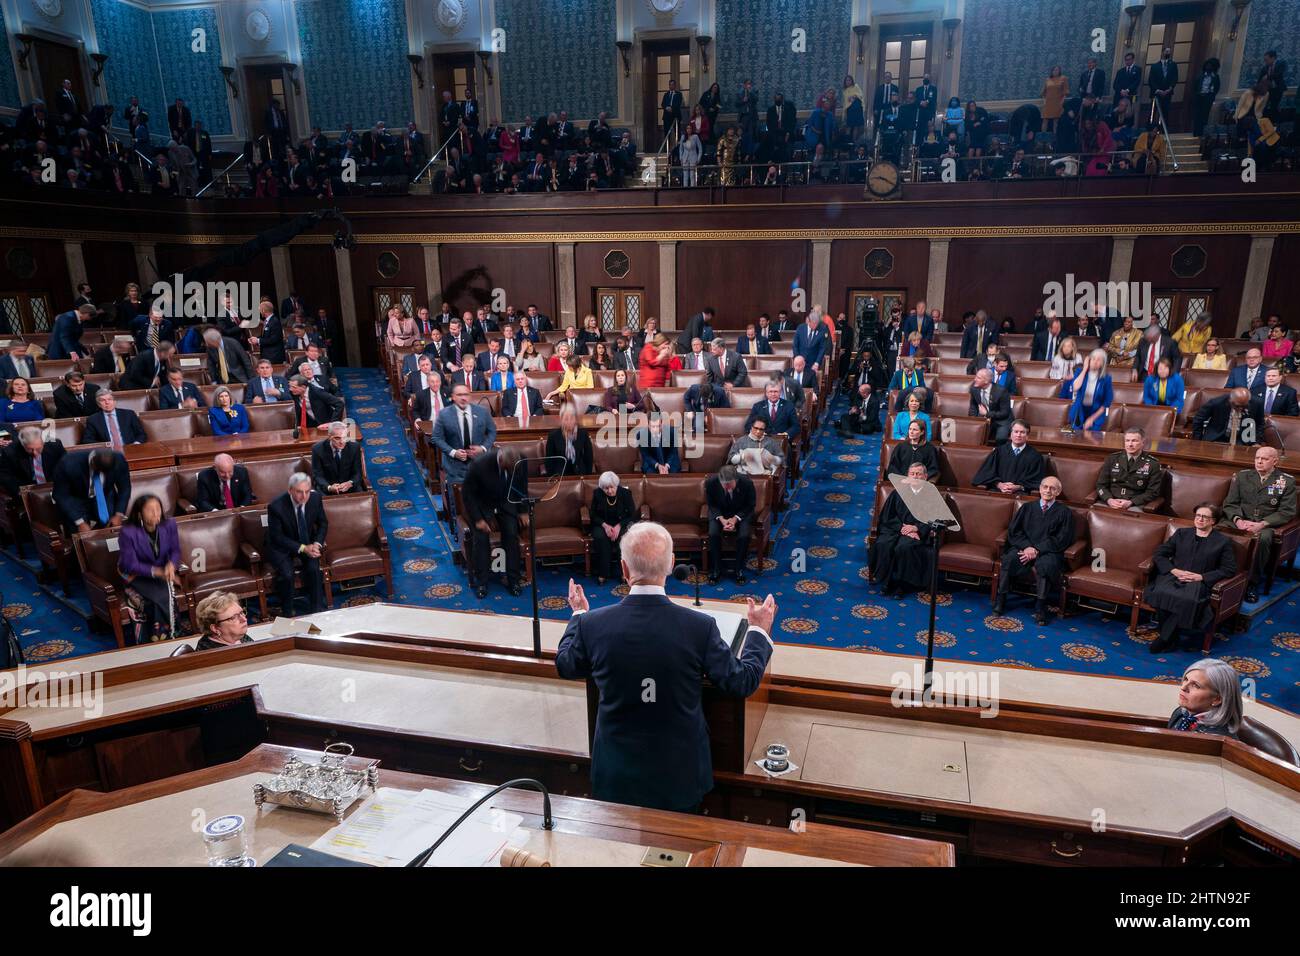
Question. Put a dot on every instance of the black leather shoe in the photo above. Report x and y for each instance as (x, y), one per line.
(1160, 645)
(514, 589)
(1041, 617)
(999, 605)
(713, 579)
(480, 592)
(1252, 595)
(740, 577)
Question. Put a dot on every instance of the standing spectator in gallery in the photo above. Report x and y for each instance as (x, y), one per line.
(1055, 89)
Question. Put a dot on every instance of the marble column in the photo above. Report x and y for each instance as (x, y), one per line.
(1252, 293)
(146, 265)
(1121, 258)
(565, 291)
(76, 264)
(821, 275)
(937, 279)
(282, 269)
(667, 284)
(348, 306)
(432, 276)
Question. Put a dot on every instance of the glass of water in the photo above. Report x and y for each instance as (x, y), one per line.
(224, 840)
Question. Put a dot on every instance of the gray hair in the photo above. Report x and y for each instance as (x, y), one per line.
(104, 391)
(607, 481)
(647, 549)
(212, 336)
(719, 343)
(27, 436)
(1105, 361)
(336, 427)
(299, 478)
(1223, 680)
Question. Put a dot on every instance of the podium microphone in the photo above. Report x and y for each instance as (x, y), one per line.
(683, 572)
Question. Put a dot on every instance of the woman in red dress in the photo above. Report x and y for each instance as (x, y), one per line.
(656, 362)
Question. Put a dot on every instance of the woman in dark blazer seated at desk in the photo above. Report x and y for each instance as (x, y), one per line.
(623, 395)
(19, 405)
(1093, 394)
(1164, 388)
(150, 556)
(1188, 565)
(612, 513)
(227, 417)
(570, 442)
(1209, 699)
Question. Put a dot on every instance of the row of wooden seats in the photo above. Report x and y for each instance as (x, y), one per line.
(1050, 413)
(178, 424)
(38, 516)
(1035, 371)
(89, 336)
(222, 551)
(1182, 488)
(141, 400)
(1229, 346)
(675, 501)
(1126, 540)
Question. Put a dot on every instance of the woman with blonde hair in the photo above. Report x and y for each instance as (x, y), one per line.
(1066, 361)
(1093, 394)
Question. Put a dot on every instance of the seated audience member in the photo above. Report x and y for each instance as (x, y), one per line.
(1122, 349)
(913, 413)
(148, 369)
(17, 363)
(754, 453)
(503, 377)
(600, 360)
(266, 387)
(802, 380)
(1292, 363)
(20, 406)
(178, 393)
(659, 455)
(730, 498)
(92, 489)
(429, 398)
(117, 426)
(1260, 500)
(751, 343)
(1278, 346)
(1093, 392)
(1188, 564)
(987, 359)
(1013, 468)
(1164, 388)
(486, 361)
(1066, 363)
(1212, 357)
(313, 408)
(1278, 398)
(490, 494)
(1249, 376)
(1130, 478)
(295, 533)
(612, 513)
(529, 359)
(1209, 699)
(415, 377)
(523, 402)
(725, 368)
(75, 398)
(321, 369)
(111, 359)
(224, 485)
(31, 460)
(222, 622)
(1227, 419)
(906, 377)
(570, 442)
(900, 558)
(1003, 374)
(623, 395)
(336, 463)
(1036, 543)
(149, 557)
(991, 402)
(576, 375)
(916, 448)
(777, 413)
(226, 416)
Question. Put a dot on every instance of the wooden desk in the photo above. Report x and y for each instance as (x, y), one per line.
(246, 447)
(1216, 456)
(150, 825)
(151, 454)
(453, 694)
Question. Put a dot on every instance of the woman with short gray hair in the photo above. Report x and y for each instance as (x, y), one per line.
(1209, 700)
(612, 513)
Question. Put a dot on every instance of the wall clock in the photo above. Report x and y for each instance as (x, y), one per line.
(882, 180)
(258, 26)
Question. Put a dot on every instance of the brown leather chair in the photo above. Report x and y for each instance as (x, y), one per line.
(1127, 541)
(969, 550)
(958, 464)
(563, 520)
(1029, 369)
(138, 400)
(620, 459)
(1226, 596)
(1264, 738)
(747, 398)
(544, 382)
(963, 429)
(604, 378)
(583, 398)
(54, 368)
(764, 365)
(1078, 478)
(726, 421)
(174, 424)
(677, 503)
(214, 562)
(165, 483)
(276, 416)
(532, 449)
(712, 454)
(269, 477)
(236, 393)
(489, 400)
(1047, 413)
(686, 377)
(98, 555)
(1204, 377)
(52, 547)
(1156, 420)
(1127, 393)
(1036, 388)
(1188, 487)
(356, 545)
(670, 400)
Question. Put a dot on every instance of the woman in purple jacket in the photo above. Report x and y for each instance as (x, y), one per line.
(149, 562)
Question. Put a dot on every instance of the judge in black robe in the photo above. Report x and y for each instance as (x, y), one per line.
(1036, 542)
(899, 560)
(1012, 464)
(1186, 603)
(617, 511)
(905, 454)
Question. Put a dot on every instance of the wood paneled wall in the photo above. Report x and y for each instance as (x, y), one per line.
(590, 275)
(526, 271)
(1225, 271)
(739, 279)
(1006, 276)
(911, 270)
(109, 267)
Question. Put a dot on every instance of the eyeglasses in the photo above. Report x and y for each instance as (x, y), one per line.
(1203, 517)
(238, 615)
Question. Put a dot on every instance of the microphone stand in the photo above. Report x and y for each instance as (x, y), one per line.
(531, 502)
(936, 542)
(548, 822)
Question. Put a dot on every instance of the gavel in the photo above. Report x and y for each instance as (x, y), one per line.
(514, 856)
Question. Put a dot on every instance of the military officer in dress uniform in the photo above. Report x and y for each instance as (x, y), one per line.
(1259, 501)
(1130, 478)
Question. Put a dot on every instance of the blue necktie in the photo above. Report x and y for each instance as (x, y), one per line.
(100, 501)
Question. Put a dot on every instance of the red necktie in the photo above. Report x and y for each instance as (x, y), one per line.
(225, 492)
(1151, 360)
(523, 413)
(303, 406)
(771, 414)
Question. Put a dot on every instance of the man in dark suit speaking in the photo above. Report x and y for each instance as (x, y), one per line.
(646, 656)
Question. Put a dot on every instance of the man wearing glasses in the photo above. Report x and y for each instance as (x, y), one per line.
(222, 621)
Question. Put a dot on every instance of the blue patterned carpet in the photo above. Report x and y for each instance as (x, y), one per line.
(816, 574)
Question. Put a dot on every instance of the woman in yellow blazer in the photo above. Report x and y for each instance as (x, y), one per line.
(1055, 89)
(1212, 357)
(576, 375)
(1193, 334)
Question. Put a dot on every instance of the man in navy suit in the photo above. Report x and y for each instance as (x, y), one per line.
(919, 321)
(117, 426)
(1275, 398)
(65, 339)
(224, 485)
(652, 749)
(1249, 376)
(164, 330)
(178, 393)
(92, 489)
(270, 341)
(778, 413)
(149, 368)
(751, 343)
(976, 336)
(811, 340)
(17, 363)
(296, 527)
(266, 387)
(511, 406)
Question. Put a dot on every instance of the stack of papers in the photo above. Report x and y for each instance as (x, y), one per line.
(394, 826)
